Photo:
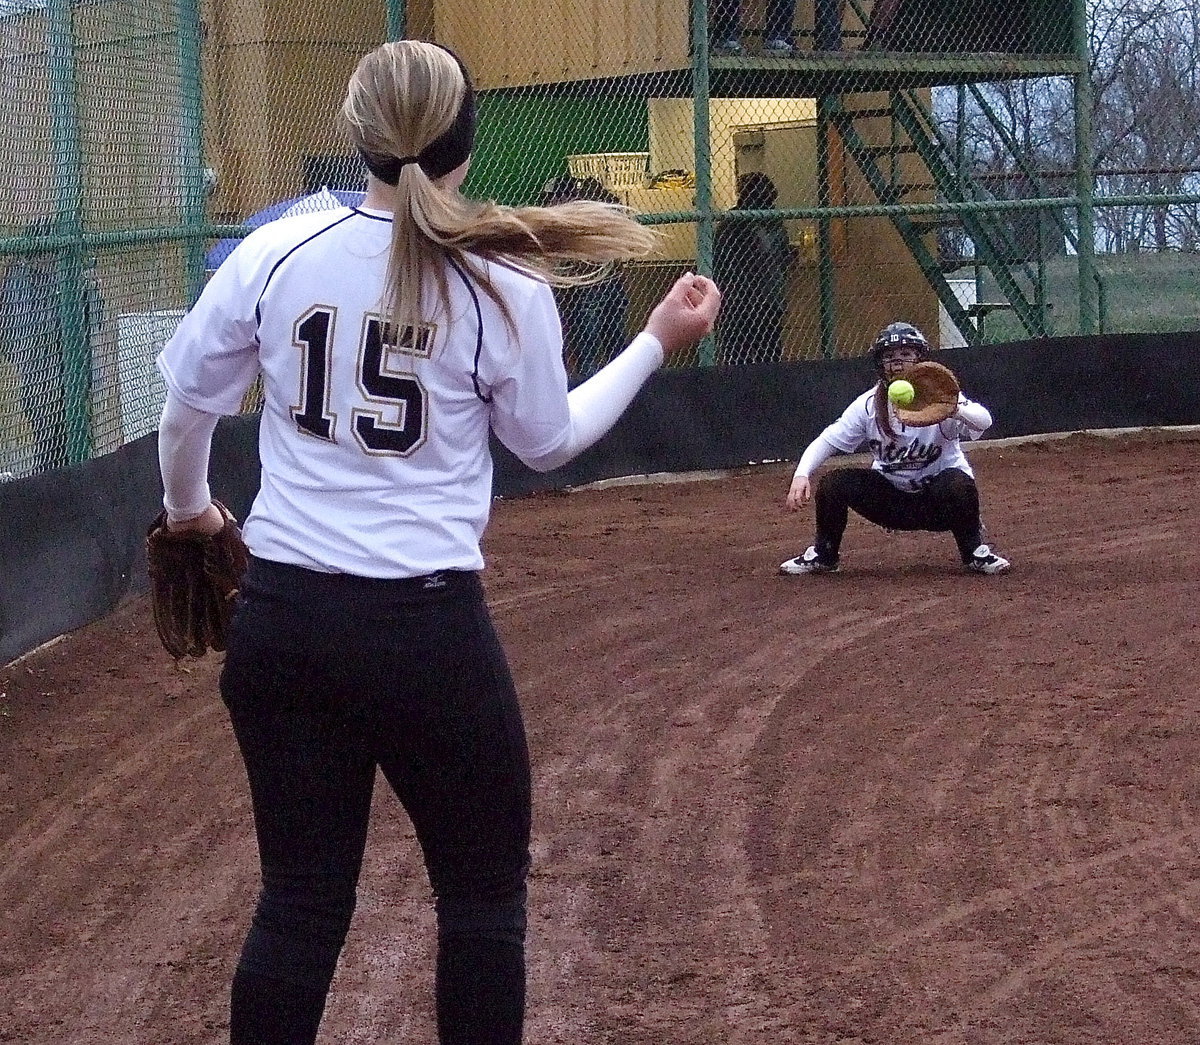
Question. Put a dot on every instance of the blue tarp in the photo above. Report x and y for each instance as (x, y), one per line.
(326, 199)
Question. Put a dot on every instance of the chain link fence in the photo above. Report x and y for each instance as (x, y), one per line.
(989, 171)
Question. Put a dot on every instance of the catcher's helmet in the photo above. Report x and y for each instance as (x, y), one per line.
(896, 335)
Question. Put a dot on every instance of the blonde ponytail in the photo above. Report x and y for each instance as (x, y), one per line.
(405, 96)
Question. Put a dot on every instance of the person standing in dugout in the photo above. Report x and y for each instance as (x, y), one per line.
(391, 339)
(919, 478)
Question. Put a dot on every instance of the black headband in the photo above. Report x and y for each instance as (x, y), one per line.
(446, 152)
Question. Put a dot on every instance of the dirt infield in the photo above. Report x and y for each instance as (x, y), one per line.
(897, 805)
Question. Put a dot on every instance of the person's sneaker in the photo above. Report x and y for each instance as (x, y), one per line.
(730, 48)
(984, 560)
(779, 47)
(809, 562)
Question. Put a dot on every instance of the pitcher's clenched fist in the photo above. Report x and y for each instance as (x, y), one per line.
(685, 314)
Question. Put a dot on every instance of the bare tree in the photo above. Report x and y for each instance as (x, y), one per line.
(1147, 110)
(1145, 69)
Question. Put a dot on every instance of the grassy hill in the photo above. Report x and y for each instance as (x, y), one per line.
(1140, 293)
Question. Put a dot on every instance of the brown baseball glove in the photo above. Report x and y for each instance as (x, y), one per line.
(194, 580)
(936, 396)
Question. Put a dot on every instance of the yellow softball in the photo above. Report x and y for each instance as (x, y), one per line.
(901, 392)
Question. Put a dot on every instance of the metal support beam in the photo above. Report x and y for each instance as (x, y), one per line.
(72, 311)
(991, 237)
(825, 270)
(703, 155)
(1085, 177)
(192, 201)
(858, 150)
(397, 19)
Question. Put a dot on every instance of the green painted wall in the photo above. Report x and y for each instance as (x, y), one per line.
(524, 142)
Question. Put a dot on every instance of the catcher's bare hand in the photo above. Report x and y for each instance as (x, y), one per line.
(686, 313)
(800, 492)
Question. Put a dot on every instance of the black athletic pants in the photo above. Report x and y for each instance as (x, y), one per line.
(950, 501)
(328, 677)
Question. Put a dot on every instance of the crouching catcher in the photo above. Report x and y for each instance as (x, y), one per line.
(919, 478)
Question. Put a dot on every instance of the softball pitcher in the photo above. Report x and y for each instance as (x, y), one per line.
(361, 638)
(919, 478)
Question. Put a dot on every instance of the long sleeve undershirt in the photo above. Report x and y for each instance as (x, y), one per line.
(184, 443)
(185, 434)
(596, 404)
(974, 415)
(817, 453)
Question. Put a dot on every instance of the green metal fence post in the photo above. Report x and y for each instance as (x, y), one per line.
(76, 345)
(192, 201)
(960, 136)
(825, 273)
(1040, 296)
(973, 335)
(703, 154)
(1085, 173)
(397, 19)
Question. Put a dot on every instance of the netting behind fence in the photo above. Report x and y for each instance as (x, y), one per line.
(837, 164)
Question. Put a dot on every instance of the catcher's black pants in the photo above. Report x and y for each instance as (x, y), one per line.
(327, 678)
(949, 501)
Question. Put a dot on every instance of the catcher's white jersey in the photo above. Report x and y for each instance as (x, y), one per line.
(374, 456)
(912, 455)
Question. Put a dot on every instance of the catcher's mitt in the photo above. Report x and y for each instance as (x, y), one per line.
(936, 396)
(194, 580)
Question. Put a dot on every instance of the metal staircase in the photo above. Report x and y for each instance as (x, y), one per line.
(912, 131)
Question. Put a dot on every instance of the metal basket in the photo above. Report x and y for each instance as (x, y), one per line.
(614, 170)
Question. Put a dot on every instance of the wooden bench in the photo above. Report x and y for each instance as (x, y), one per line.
(983, 309)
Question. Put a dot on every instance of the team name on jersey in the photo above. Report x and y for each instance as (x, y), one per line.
(897, 457)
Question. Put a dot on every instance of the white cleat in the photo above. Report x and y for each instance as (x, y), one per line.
(809, 562)
(984, 560)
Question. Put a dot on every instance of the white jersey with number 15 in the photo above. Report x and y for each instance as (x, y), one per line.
(374, 456)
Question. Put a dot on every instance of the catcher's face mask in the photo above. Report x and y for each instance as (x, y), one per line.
(894, 361)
